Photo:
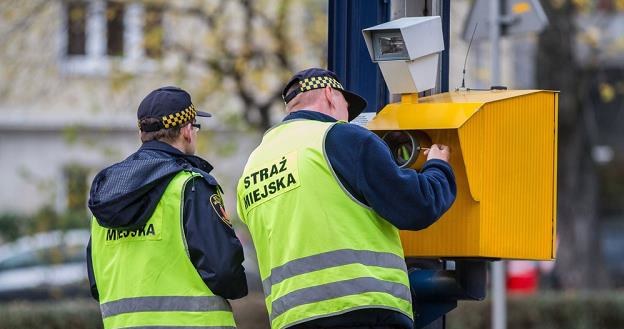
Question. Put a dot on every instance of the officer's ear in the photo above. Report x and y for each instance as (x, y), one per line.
(327, 91)
(187, 132)
(333, 99)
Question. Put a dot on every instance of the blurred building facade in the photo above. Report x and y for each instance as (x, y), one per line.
(74, 72)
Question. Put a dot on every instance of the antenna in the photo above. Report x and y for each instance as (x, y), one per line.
(463, 86)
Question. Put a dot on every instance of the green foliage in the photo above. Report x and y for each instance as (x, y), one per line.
(548, 311)
(120, 80)
(75, 314)
(77, 187)
(47, 219)
(70, 134)
(12, 226)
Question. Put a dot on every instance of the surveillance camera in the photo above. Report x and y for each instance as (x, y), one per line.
(407, 51)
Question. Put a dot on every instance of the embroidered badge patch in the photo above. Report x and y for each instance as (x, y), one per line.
(217, 204)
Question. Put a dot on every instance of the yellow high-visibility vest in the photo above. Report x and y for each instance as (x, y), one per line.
(320, 251)
(145, 276)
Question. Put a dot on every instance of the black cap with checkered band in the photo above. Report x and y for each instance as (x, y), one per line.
(171, 106)
(316, 78)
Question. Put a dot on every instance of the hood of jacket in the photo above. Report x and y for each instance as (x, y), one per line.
(124, 195)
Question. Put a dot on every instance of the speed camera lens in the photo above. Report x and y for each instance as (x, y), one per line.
(389, 46)
(406, 146)
(392, 45)
(401, 146)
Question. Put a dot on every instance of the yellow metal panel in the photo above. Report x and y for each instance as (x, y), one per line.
(556, 147)
(516, 220)
(457, 232)
(400, 116)
(473, 96)
(504, 157)
(440, 111)
(471, 137)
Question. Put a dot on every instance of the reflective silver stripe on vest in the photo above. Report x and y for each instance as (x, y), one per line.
(164, 304)
(337, 289)
(331, 259)
(180, 327)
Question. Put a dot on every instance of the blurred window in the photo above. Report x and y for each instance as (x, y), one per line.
(115, 28)
(153, 31)
(99, 33)
(76, 28)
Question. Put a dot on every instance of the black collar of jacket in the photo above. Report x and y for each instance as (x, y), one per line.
(193, 160)
(310, 115)
(124, 202)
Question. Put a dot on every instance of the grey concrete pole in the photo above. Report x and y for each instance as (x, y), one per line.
(499, 307)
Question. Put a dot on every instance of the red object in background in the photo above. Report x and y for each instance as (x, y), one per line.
(522, 277)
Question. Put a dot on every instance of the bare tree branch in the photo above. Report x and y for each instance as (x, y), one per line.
(25, 21)
(254, 61)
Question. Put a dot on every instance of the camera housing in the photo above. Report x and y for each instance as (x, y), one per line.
(407, 51)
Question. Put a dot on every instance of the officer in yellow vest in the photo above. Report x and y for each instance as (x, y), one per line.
(163, 253)
(323, 200)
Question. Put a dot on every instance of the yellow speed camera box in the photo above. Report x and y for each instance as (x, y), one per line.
(504, 155)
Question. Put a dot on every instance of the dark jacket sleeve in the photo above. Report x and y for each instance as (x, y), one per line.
(92, 286)
(215, 251)
(408, 199)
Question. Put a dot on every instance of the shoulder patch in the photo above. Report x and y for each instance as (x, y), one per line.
(217, 204)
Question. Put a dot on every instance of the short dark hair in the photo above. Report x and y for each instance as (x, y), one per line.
(165, 134)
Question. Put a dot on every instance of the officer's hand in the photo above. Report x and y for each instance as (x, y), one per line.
(441, 152)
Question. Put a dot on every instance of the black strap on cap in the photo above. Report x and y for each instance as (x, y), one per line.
(292, 95)
(288, 97)
(152, 126)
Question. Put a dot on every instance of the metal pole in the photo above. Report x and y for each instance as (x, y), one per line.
(494, 40)
(398, 9)
(442, 8)
(499, 310)
(346, 51)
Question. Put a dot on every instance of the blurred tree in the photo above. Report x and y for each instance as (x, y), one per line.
(251, 48)
(77, 188)
(240, 51)
(10, 226)
(580, 263)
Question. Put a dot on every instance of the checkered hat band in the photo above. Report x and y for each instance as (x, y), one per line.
(311, 84)
(319, 82)
(175, 119)
(171, 120)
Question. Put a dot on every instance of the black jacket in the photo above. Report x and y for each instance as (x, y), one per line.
(124, 195)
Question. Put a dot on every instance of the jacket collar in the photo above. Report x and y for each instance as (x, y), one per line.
(194, 160)
(309, 115)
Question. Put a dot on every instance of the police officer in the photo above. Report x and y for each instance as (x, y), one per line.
(324, 200)
(162, 251)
